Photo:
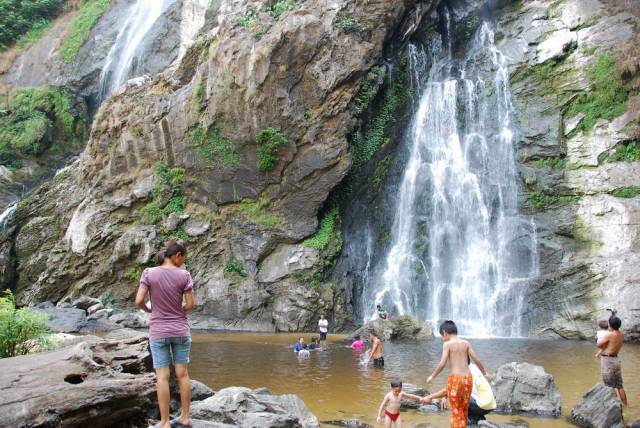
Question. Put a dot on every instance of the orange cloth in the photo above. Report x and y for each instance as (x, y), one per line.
(459, 392)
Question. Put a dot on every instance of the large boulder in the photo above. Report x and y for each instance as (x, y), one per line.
(526, 388)
(599, 408)
(244, 407)
(404, 327)
(130, 319)
(85, 302)
(67, 320)
(97, 383)
(415, 390)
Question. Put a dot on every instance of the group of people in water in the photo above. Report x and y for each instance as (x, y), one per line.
(166, 292)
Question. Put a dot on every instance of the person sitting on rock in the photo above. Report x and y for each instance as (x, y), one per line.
(170, 289)
(299, 346)
(382, 312)
(611, 368)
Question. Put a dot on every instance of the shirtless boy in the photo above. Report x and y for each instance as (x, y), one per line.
(457, 352)
(375, 352)
(391, 405)
(610, 345)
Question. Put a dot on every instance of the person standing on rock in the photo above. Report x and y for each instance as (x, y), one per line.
(170, 289)
(611, 368)
(323, 325)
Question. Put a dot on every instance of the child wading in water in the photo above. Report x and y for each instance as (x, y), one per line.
(171, 291)
(391, 405)
(457, 352)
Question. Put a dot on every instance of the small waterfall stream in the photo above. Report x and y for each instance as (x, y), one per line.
(459, 249)
(120, 64)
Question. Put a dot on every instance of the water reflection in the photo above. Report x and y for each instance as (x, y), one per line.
(334, 384)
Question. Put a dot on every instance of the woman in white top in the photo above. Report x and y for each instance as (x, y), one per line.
(323, 324)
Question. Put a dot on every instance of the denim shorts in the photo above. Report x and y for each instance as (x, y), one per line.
(162, 351)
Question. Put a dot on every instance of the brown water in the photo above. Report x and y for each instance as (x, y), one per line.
(335, 386)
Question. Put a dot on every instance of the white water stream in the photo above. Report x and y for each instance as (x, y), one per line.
(124, 54)
(459, 248)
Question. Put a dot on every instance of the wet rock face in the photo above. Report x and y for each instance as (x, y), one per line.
(525, 388)
(586, 233)
(296, 73)
(397, 328)
(599, 408)
(245, 407)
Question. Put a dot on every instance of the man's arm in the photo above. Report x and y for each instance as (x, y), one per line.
(189, 301)
(441, 364)
(141, 298)
(384, 403)
(476, 360)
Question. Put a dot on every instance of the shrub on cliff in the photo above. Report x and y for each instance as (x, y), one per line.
(18, 17)
(21, 330)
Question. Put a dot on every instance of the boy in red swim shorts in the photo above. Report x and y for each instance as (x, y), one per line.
(391, 405)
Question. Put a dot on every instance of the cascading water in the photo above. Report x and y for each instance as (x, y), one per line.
(459, 248)
(121, 61)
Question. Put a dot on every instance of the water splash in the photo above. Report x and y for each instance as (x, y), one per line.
(459, 247)
(5, 216)
(120, 64)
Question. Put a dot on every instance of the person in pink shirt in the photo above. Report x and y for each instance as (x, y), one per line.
(358, 344)
(170, 290)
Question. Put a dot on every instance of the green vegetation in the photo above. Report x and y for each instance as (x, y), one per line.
(553, 162)
(26, 20)
(364, 144)
(466, 28)
(167, 195)
(21, 330)
(282, 6)
(234, 271)
(381, 172)
(247, 20)
(213, 148)
(256, 212)
(269, 140)
(81, 27)
(348, 24)
(607, 98)
(35, 33)
(33, 116)
(197, 96)
(368, 90)
(325, 232)
(541, 201)
(629, 152)
(315, 280)
(626, 192)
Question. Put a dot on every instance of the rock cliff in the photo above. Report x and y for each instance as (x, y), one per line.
(234, 149)
(256, 119)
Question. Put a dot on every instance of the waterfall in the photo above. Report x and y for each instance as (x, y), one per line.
(120, 64)
(5, 215)
(459, 248)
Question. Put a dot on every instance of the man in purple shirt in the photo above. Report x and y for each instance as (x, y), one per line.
(170, 289)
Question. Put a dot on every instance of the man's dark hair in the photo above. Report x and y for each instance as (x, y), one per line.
(449, 327)
(396, 384)
(374, 334)
(615, 322)
(377, 306)
(357, 337)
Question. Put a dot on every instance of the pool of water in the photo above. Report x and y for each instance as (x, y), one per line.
(335, 386)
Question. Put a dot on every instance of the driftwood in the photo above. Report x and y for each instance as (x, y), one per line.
(95, 383)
